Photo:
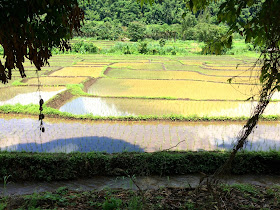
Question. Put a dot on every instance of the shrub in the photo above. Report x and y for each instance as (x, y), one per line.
(143, 47)
(162, 42)
(90, 48)
(59, 166)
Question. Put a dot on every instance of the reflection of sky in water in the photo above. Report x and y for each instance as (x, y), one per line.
(69, 136)
(30, 98)
(126, 107)
(95, 106)
(246, 108)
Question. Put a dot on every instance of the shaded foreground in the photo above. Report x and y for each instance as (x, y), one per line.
(211, 197)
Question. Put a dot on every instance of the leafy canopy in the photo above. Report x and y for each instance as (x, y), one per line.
(31, 28)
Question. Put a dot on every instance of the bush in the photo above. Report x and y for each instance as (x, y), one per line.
(162, 42)
(90, 48)
(136, 31)
(84, 47)
(143, 47)
(58, 166)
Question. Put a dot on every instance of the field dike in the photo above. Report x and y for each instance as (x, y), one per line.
(89, 83)
(60, 99)
(65, 96)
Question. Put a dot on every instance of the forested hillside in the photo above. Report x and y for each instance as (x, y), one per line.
(118, 19)
(126, 11)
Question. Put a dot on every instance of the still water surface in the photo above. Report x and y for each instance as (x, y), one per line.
(18, 134)
(126, 107)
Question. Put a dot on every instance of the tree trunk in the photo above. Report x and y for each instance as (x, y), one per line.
(265, 96)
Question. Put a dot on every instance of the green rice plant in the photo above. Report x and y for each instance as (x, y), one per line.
(135, 203)
(5, 182)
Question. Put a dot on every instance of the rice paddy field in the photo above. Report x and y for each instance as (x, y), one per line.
(21, 133)
(137, 85)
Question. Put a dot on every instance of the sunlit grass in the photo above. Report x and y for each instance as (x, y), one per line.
(233, 68)
(92, 63)
(233, 73)
(178, 66)
(79, 71)
(192, 63)
(178, 89)
(177, 75)
(56, 80)
(146, 66)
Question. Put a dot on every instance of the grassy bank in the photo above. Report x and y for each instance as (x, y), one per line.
(216, 197)
(32, 109)
(21, 166)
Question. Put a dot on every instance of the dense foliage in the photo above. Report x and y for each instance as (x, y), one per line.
(112, 19)
(59, 166)
(127, 11)
(30, 29)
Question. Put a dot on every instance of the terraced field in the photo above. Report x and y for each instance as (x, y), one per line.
(131, 86)
(149, 85)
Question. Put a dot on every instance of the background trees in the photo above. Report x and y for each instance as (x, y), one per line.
(30, 29)
(136, 31)
(162, 19)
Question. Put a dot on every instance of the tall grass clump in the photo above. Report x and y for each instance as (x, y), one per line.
(76, 89)
(84, 47)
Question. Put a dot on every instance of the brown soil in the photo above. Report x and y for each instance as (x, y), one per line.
(60, 99)
(89, 83)
(107, 70)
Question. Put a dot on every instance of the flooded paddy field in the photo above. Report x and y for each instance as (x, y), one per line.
(22, 134)
(27, 94)
(107, 107)
(129, 85)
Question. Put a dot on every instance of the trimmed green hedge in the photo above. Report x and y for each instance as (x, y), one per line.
(58, 166)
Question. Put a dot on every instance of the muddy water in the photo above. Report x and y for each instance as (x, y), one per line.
(151, 182)
(22, 134)
(125, 107)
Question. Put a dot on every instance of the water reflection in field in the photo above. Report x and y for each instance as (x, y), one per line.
(125, 107)
(27, 95)
(84, 136)
(95, 106)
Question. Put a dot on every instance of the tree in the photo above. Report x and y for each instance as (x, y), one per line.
(29, 29)
(136, 31)
(262, 28)
(258, 22)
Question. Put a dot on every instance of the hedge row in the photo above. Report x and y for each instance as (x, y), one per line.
(58, 166)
